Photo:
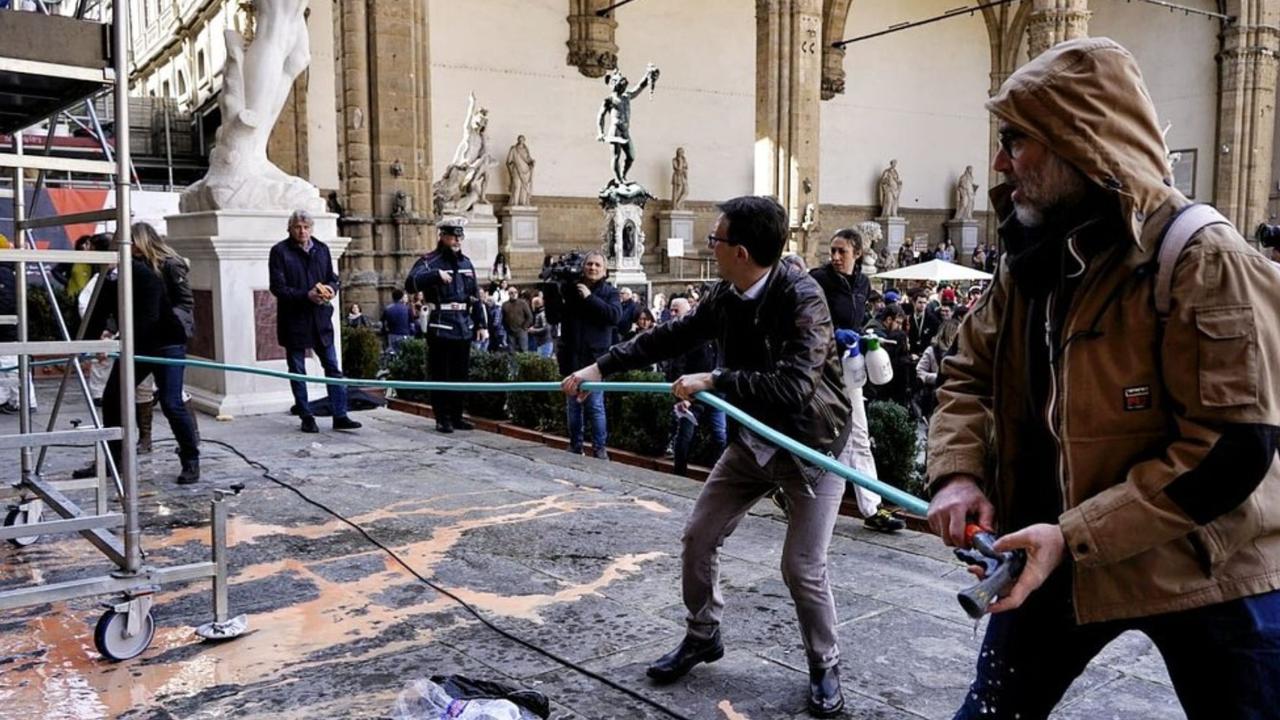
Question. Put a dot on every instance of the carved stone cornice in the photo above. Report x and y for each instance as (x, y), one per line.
(592, 48)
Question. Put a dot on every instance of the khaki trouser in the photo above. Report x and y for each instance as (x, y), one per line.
(735, 484)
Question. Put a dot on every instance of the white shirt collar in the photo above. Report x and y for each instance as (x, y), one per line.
(755, 290)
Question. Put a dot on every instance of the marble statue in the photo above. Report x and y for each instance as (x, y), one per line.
(520, 167)
(614, 119)
(257, 78)
(679, 179)
(890, 190)
(463, 184)
(966, 190)
(873, 237)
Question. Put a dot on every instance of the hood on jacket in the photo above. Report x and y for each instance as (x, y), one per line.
(1086, 101)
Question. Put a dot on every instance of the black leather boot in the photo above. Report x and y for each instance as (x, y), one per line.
(691, 651)
(190, 472)
(825, 698)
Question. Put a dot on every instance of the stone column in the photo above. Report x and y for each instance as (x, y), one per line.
(1054, 21)
(1246, 115)
(385, 143)
(788, 93)
(591, 38)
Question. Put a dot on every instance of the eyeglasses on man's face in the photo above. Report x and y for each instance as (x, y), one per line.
(1011, 141)
(712, 240)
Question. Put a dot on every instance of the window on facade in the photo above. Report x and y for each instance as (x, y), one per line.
(168, 90)
(182, 84)
(200, 71)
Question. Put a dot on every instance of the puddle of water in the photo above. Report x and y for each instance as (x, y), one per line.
(68, 679)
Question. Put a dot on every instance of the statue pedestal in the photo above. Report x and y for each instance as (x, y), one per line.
(520, 241)
(963, 235)
(623, 237)
(481, 241)
(235, 310)
(895, 232)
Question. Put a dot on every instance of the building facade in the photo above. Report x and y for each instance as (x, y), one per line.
(756, 94)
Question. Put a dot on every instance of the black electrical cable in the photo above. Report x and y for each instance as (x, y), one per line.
(266, 473)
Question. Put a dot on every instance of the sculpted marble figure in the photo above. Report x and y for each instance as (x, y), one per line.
(890, 190)
(614, 119)
(679, 179)
(256, 82)
(465, 180)
(520, 167)
(966, 190)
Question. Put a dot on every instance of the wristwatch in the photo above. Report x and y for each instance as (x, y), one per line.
(715, 377)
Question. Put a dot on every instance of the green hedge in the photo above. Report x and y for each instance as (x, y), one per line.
(541, 411)
(41, 323)
(639, 422)
(894, 445)
(361, 352)
(489, 367)
(410, 364)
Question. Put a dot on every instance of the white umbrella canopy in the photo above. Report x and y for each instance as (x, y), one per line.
(938, 270)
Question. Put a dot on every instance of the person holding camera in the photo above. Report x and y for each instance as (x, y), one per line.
(588, 309)
(447, 280)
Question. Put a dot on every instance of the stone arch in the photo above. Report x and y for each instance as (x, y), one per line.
(835, 13)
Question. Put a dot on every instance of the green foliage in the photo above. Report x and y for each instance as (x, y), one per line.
(361, 352)
(639, 422)
(410, 363)
(41, 323)
(541, 411)
(489, 367)
(894, 445)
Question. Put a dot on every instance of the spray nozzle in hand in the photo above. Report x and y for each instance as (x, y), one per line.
(999, 570)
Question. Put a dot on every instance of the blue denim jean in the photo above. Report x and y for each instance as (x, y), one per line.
(686, 430)
(1223, 659)
(593, 406)
(168, 392)
(296, 359)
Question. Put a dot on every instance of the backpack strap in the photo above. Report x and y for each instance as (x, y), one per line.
(1184, 226)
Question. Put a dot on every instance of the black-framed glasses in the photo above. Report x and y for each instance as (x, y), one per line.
(712, 240)
(1011, 141)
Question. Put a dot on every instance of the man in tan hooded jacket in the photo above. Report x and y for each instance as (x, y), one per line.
(1132, 455)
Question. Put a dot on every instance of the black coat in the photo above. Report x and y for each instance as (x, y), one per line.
(778, 355)
(301, 323)
(462, 289)
(587, 325)
(846, 295)
(155, 325)
(630, 313)
(920, 335)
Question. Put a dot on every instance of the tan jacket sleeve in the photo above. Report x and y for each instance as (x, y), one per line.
(959, 435)
(1220, 364)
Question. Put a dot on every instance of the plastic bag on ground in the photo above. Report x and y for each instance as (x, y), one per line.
(425, 700)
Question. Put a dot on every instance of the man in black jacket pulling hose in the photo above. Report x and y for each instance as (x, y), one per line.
(779, 363)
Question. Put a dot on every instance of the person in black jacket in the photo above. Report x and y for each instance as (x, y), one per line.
(588, 312)
(456, 316)
(778, 362)
(160, 330)
(843, 281)
(304, 283)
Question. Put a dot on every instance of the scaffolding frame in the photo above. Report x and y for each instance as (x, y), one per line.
(126, 628)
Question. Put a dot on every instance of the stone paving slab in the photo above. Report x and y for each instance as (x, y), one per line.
(571, 553)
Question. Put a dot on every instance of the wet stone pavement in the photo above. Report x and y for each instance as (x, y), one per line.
(576, 555)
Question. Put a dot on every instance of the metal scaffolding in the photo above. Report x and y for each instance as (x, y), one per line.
(35, 81)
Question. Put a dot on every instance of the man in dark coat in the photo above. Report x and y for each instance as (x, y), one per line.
(447, 280)
(305, 285)
(778, 362)
(588, 312)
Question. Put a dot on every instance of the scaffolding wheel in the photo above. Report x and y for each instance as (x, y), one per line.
(118, 637)
(27, 514)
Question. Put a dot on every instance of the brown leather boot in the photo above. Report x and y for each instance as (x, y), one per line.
(145, 413)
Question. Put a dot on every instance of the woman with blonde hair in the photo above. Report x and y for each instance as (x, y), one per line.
(163, 321)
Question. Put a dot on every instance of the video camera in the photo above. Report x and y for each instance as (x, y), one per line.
(564, 270)
(1268, 236)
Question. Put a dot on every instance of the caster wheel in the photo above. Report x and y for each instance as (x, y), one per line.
(18, 516)
(109, 636)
